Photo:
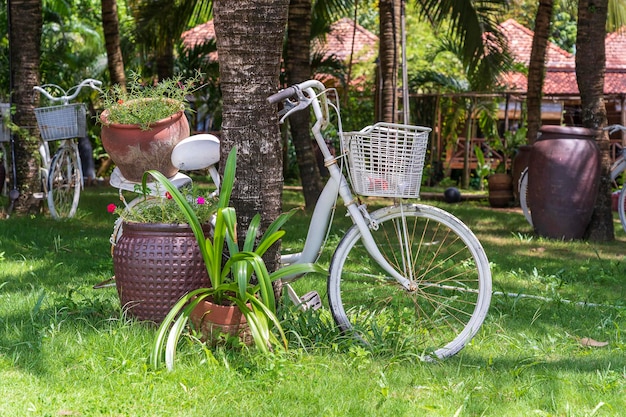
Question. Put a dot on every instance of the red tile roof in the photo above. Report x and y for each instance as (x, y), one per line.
(338, 42)
(560, 78)
(520, 41)
(199, 35)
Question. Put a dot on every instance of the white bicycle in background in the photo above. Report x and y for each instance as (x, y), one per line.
(409, 272)
(5, 137)
(62, 174)
(618, 167)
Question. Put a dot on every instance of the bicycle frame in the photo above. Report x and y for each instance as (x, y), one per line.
(336, 185)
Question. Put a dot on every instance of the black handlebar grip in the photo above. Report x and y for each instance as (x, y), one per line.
(282, 94)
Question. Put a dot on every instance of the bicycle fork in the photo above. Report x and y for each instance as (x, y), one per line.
(365, 223)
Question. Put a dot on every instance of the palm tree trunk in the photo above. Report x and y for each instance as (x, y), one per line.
(110, 26)
(249, 73)
(298, 69)
(590, 70)
(24, 42)
(536, 69)
(389, 15)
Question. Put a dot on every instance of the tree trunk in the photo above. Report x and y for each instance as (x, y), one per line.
(590, 70)
(536, 69)
(110, 26)
(25, 39)
(165, 61)
(389, 16)
(298, 69)
(249, 73)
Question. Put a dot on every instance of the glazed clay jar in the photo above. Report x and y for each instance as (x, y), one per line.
(156, 264)
(135, 151)
(563, 181)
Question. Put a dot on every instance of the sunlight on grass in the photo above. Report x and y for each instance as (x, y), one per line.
(67, 349)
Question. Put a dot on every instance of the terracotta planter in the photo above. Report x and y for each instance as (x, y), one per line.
(563, 181)
(214, 321)
(135, 151)
(500, 190)
(155, 265)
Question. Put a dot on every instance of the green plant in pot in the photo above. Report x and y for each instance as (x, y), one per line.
(142, 123)
(241, 280)
(156, 258)
(483, 166)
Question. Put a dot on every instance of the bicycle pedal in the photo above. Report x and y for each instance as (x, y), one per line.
(310, 300)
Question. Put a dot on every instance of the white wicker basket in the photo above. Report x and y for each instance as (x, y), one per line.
(387, 160)
(62, 122)
(5, 109)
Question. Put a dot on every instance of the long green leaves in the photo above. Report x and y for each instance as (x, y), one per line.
(231, 281)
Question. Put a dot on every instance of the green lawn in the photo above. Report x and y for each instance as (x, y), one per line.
(66, 349)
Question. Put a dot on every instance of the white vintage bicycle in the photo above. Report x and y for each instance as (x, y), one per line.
(406, 271)
(618, 167)
(4, 138)
(61, 172)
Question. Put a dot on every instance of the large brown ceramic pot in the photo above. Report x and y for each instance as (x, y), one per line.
(563, 180)
(135, 151)
(155, 265)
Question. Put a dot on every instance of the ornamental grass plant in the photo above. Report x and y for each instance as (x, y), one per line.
(160, 207)
(144, 104)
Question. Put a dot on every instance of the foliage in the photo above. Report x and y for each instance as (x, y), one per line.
(143, 104)
(242, 280)
(157, 209)
(59, 336)
(483, 166)
(207, 100)
(473, 30)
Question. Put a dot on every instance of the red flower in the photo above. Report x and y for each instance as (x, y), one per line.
(111, 208)
(168, 195)
(120, 101)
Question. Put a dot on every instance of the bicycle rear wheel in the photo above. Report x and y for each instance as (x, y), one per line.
(620, 207)
(64, 182)
(523, 196)
(445, 261)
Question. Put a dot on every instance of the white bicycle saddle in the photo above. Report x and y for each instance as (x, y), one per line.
(196, 152)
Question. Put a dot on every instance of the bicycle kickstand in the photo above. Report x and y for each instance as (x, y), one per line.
(310, 300)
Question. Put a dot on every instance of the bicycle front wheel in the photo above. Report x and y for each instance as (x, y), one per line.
(523, 196)
(64, 183)
(445, 262)
(620, 206)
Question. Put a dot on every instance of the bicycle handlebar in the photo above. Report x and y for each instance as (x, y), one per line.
(282, 95)
(294, 89)
(614, 128)
(304, 94)
(66, 97)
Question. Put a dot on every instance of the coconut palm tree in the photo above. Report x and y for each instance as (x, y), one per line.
(159, 24)
(249, 72)
(467, 22)
(590, 69)
(388, 52)
(298, 69)
(25, 24)
(536, 68)
(110, 26)
(306, 21)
